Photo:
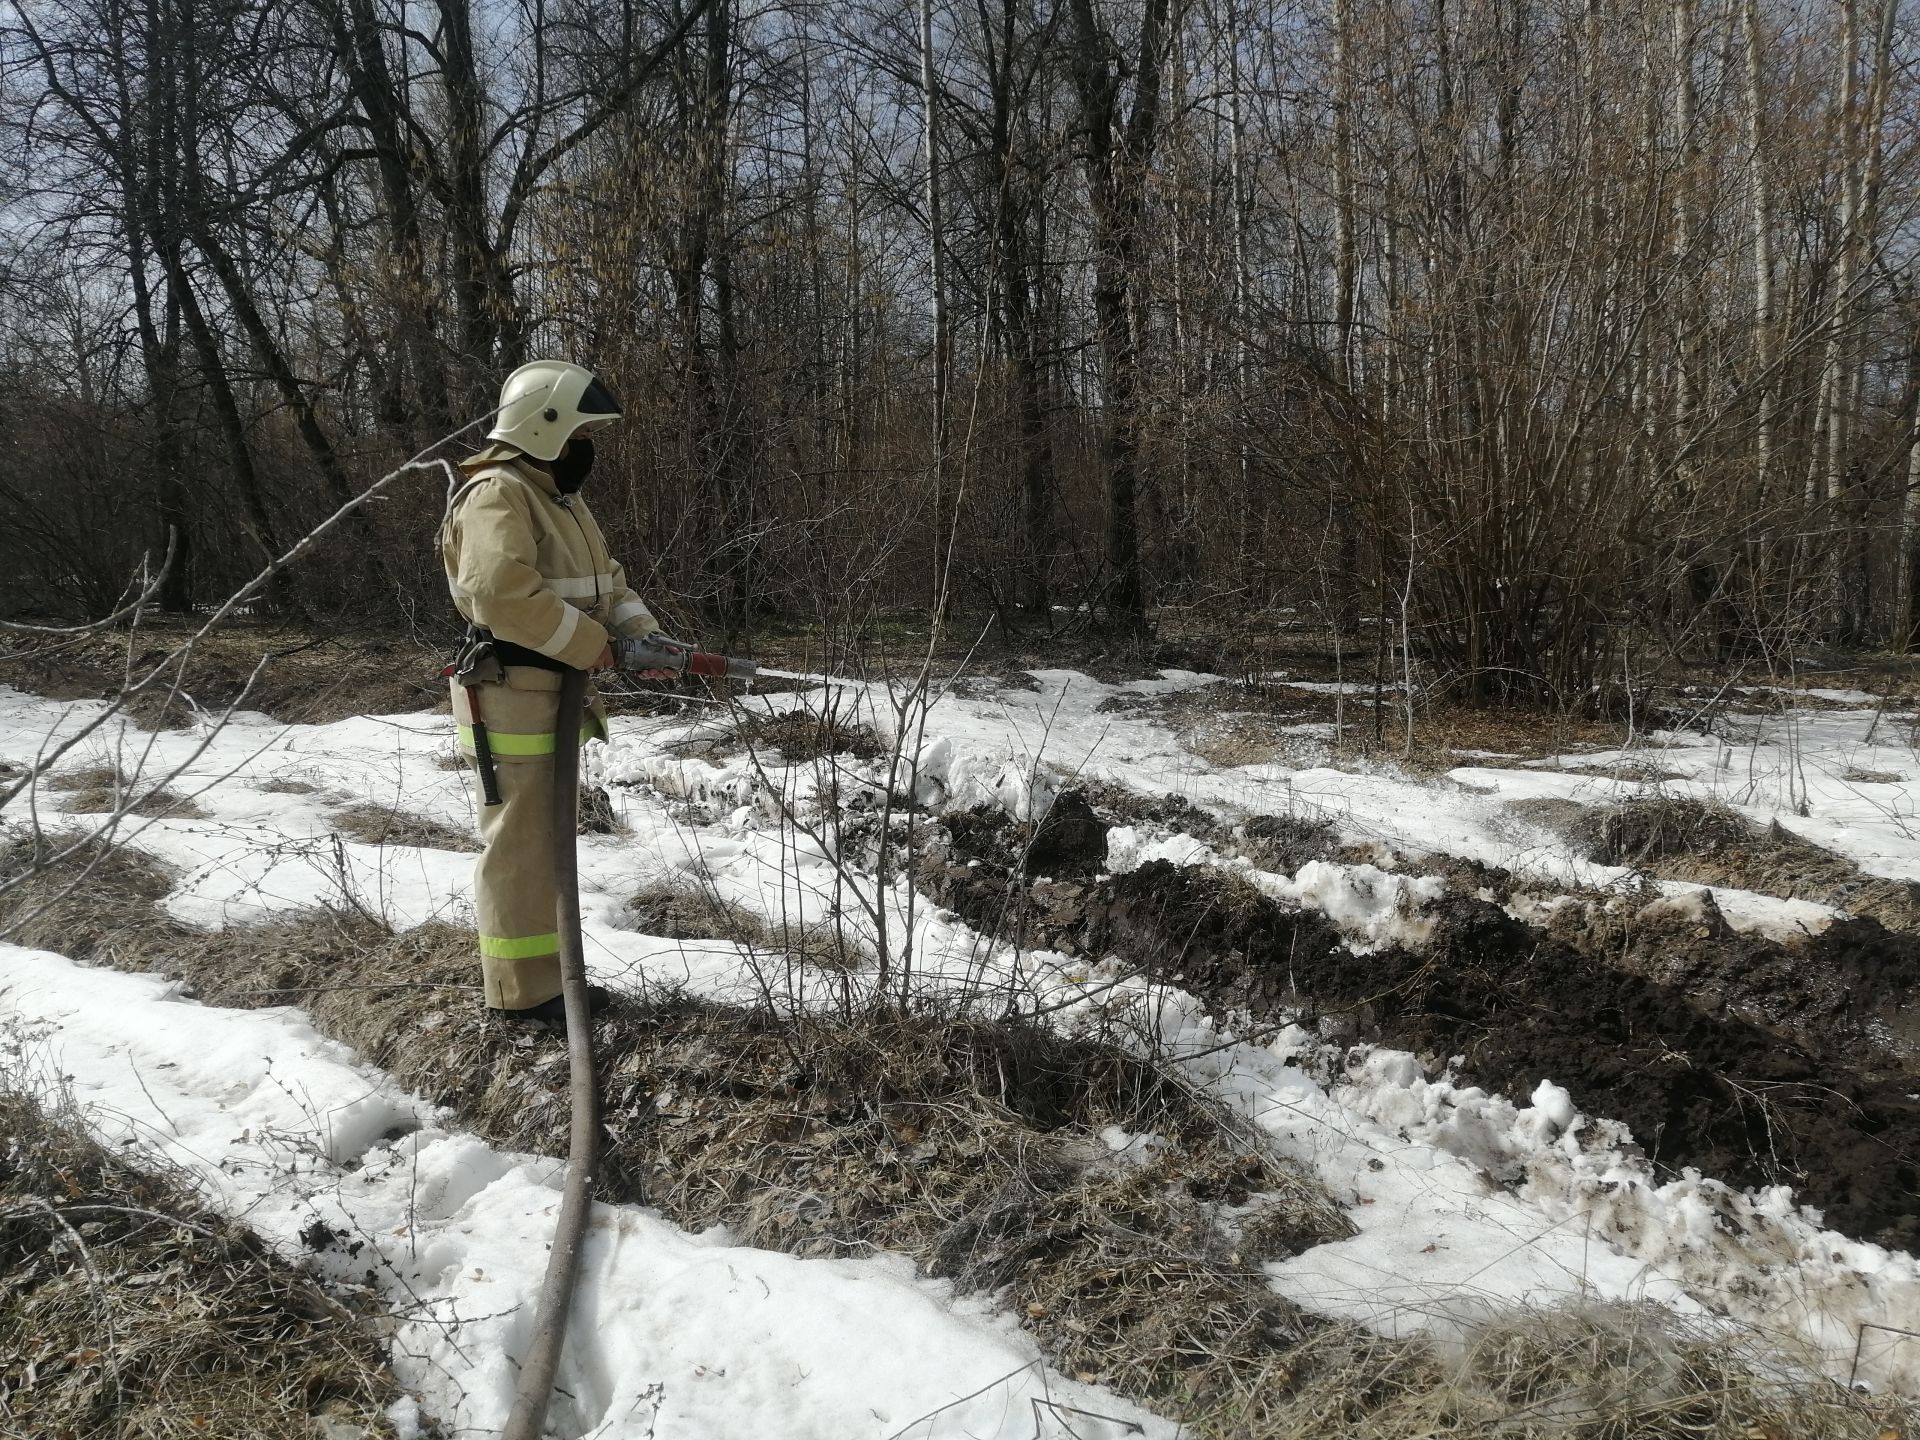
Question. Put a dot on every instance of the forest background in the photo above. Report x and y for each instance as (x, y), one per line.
(1526, 343)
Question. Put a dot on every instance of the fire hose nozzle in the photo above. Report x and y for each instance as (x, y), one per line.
(658, 652)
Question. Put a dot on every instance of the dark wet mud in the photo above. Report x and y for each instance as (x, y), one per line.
(1755, 1062)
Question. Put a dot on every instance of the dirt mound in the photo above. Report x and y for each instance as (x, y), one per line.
(1847, 993)
(1286, 842)
(978, 865)
(1702, 843)
(128, 1309)
(1069, 840)
(1711, 1091)
(1757, 1062)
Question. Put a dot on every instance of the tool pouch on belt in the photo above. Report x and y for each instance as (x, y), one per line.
(475, 666)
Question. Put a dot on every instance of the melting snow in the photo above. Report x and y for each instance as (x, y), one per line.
(1461, 1199)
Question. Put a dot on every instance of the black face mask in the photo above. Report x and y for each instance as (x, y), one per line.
(570, 470)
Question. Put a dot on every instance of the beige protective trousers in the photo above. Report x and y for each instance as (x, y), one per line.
(514, 899)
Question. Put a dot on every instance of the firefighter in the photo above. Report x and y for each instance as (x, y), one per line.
(530, 572)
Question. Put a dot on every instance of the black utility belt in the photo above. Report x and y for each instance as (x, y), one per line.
(508, 653)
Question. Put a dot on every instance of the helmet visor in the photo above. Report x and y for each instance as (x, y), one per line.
(597, 401)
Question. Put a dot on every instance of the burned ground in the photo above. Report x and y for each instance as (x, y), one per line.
(1846, 993)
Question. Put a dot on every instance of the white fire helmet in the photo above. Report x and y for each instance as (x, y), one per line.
(545, 401)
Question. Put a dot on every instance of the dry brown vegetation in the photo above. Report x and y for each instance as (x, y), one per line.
(129, 1310)
(280, 785)
(691, 912)
(372, 824)
(804, 734)
(974, 1147)
(312, 676)
(1704, 843)
(105, 789)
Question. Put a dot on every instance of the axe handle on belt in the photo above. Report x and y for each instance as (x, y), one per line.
(475, 656)
(482, 748)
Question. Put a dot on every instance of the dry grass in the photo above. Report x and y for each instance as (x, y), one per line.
(1854, 775)
(128, 1310)
(1705, 843)
(1248, 723)
(372, 824)
(976, 1148)
(692, 913)
(85, 906)
(1589, 1372)
(1235, 741)
(311, 679)
(805, 735)
(1448, 734)
(279, 785)
(1631, 770)
(103, 789)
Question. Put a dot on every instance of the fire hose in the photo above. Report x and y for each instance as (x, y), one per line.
(542, 1359)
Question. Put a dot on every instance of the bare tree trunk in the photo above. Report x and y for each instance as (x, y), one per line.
(1763, 317)
(1686, 314)
(942, 334)
(1242, 284)
(1906, 584)
(1345, 248)
(1118, 152)
(362, 49)
(492, 334)
(140, 155)
(699, 257)
(1854, 569)
(1017, 272)
(1833, 378)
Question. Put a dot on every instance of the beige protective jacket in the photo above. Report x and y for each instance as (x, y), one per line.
(531, 565)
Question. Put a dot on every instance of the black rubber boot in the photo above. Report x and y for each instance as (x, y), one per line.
(554, 1011)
